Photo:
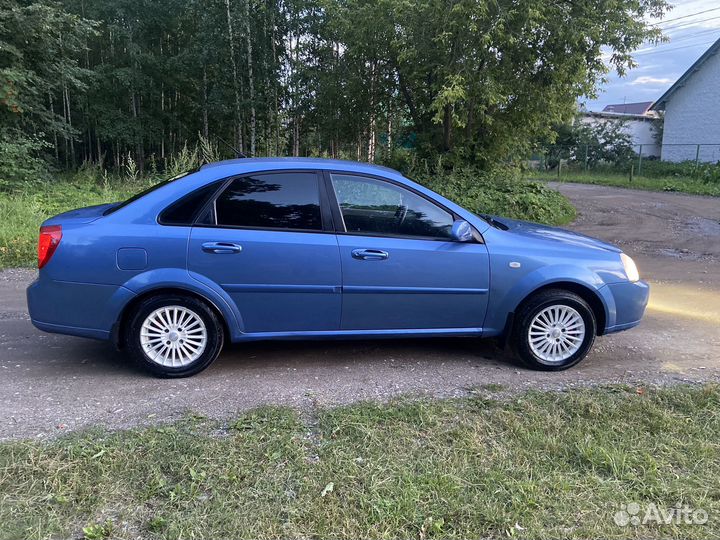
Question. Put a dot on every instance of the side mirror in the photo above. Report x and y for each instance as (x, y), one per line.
(462, 231)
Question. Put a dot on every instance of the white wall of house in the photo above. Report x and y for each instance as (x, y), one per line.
(641, 130)
(692, 116)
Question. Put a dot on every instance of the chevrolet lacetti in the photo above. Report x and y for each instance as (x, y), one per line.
(253, 249)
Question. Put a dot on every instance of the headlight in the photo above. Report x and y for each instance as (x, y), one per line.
(630, 268)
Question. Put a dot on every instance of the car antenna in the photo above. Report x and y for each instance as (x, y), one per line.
(238, 153)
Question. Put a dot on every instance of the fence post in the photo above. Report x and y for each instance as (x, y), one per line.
(632, 171)
(697, 156)
(640, 161)
(559, 167)
(586, 157)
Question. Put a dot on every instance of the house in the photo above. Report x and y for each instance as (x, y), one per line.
(692, 112)
(638, 122)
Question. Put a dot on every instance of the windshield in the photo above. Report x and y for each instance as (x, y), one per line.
(140, 195)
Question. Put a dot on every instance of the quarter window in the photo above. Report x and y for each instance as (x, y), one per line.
(374, 207)
(271, 201)
(184, 211)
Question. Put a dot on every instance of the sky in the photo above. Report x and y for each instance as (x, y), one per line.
(659, 66)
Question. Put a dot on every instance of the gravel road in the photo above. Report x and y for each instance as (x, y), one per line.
(52, 384)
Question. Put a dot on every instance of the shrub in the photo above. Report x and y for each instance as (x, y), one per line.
(501, 191)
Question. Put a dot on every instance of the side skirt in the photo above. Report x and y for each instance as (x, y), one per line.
(360, 334)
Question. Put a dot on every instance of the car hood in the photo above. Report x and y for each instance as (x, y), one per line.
(80, 215)
(553, 234)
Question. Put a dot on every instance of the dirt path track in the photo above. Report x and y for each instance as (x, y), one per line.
(50, 384)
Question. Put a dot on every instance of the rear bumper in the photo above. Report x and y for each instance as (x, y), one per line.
(76, 309)
(630, 299)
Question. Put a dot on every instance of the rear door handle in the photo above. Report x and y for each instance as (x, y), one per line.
(370, 254)
(221, 248)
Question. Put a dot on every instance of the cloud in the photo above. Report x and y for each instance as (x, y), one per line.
(652, 80)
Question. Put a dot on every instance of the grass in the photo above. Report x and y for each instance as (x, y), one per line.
(687, 184)
(539, 465)
(27, 206)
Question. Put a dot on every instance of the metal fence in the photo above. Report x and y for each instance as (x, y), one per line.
(640, 159)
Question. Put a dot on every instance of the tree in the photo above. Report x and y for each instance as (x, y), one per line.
(40, 80)
(592, 143)
(478, 82)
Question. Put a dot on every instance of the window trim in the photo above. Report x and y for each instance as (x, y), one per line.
(342, 229)
(326, 219)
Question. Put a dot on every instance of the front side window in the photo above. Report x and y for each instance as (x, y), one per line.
(287, 200)
(371, 206)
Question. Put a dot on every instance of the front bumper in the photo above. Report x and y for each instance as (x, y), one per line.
(630, 301)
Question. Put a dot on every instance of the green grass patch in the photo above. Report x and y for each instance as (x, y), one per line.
(694, 186)
(541, 465)
(25, 207)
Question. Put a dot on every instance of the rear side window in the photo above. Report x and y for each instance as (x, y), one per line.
(287, 200)
(185, 210)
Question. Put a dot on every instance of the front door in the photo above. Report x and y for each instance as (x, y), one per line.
(401, 267)
(264, 242)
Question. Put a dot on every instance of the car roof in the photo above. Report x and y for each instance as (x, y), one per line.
(301, 162)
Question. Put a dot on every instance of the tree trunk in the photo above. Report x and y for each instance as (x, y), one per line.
(296, 136)
(407, 96)
(55, 137)
(101, 159)
(373, 117)
(251, 81)
(447, 127)
(389, 131)
(206, 127)
(236, 84)
(139, 150)
(275, 88)
(69, 123)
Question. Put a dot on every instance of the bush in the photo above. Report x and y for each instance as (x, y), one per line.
(501, 191)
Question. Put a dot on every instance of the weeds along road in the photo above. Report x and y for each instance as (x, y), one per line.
(52, 384)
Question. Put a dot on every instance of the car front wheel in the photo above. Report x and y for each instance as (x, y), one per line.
(554, 330)
(174, 336)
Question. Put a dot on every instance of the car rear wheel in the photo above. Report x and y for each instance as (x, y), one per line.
(553, 330)
(174, 336)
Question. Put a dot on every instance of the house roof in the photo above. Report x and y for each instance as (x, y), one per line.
(628, 108)
(647, 117)
(659, 105)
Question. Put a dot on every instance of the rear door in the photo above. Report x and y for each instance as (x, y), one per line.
(268, 242)
(401, 267)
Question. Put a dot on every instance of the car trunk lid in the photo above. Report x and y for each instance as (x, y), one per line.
(87, 214)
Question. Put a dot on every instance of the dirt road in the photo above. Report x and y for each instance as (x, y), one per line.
(51, 384)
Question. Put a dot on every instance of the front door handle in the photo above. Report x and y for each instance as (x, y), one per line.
(370, 254)
(221, 248)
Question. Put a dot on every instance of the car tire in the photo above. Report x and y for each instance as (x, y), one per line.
(174, 336)
(553, 330)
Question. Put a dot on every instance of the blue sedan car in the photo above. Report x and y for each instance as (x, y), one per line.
(253, 249)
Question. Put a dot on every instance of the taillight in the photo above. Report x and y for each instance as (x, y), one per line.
(48, 242)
